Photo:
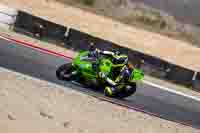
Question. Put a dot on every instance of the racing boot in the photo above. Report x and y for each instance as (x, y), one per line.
(110, 91)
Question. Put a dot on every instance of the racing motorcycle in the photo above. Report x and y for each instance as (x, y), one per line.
(85, 72)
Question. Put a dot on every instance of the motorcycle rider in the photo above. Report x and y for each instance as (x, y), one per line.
(125, 73)
(118, 58)
(93, 53)
(121, 68)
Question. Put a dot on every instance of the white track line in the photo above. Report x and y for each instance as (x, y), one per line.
(171, 90)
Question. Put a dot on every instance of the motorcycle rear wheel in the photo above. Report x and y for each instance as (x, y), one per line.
(64, 72)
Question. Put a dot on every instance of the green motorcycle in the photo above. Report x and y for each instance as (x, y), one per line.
(86, 73)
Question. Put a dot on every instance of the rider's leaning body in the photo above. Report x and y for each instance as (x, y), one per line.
(120, 65)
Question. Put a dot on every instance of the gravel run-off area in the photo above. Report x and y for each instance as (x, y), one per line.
(32, 105)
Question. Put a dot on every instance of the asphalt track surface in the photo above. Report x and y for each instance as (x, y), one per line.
(150, 99)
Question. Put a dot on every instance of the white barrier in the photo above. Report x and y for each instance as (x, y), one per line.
(7, 10)
(5, 19)
(7, 16)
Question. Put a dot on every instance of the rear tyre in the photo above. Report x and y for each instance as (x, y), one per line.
(64, 72)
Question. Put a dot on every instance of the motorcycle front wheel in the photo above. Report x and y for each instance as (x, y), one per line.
(128, 91)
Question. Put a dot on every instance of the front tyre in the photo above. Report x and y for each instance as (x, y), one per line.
(64, 72)
(128, 91)
(131, 89)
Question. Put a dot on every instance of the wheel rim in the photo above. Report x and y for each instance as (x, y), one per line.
(65, 74)
(128, 87)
